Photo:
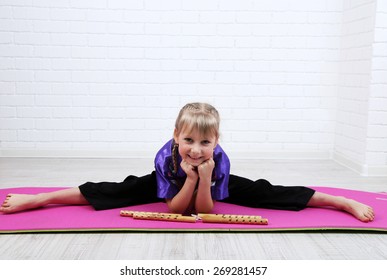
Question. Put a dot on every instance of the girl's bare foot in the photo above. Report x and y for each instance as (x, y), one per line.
(20, 202)
(361, 211)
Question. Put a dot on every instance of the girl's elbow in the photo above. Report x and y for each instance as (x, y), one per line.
(173, 209)
(205, 210)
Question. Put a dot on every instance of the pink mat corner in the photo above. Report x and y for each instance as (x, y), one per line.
(59, 218)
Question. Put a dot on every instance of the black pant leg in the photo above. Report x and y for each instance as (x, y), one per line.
(132, 191)
(262, 194)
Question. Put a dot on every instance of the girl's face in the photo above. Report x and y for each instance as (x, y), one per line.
(194, 147)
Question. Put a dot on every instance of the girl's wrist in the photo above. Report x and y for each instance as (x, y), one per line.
(191, 180)
(205, 183)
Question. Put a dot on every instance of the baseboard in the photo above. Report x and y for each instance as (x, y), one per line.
(362, 169)
(248, 155)
(375, 170)
(75, 154)
(291, 155)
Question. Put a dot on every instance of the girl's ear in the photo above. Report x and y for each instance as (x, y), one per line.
(175, 136)
(216, 143)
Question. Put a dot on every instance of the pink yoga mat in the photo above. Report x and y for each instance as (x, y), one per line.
(59, 218)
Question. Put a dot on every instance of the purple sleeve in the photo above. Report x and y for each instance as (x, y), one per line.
(219, 188)
(165, 188)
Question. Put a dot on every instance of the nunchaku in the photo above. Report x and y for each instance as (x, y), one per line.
(205, 218)
(158, 216)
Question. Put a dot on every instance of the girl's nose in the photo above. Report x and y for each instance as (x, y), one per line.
(195, 149)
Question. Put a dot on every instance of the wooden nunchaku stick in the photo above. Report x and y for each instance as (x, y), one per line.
(127, 213)
(233, 219)
(158, 216)
(206, 218)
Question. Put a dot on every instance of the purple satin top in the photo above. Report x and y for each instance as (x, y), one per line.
(169, 183)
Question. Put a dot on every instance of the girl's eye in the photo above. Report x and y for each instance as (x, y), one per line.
(206, 142)
(189, 140)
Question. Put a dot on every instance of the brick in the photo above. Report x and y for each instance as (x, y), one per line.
(16, 100)
(53, 100)
(57, 13)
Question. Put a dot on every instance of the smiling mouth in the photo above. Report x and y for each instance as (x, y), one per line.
(195, 158)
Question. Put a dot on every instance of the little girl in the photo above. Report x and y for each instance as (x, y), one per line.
(191, 173)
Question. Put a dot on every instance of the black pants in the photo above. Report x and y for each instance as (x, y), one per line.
(262, 194)
(242, 191)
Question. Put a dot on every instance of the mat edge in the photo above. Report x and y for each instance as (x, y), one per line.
(151, 230)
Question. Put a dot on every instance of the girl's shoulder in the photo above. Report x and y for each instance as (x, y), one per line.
(220, 155)
(165, 153)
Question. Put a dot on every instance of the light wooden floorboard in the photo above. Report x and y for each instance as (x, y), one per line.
(15, 172)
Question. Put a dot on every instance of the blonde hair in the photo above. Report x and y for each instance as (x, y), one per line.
(200, 116)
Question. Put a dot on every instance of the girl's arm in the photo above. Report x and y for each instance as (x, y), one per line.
(182, 200)
(204, 202)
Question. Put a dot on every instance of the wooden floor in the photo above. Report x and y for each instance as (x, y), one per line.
(15, 172)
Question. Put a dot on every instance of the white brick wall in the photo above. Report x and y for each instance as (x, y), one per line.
(376, 149)
(354, 76)
(108, 77)
(362, 99)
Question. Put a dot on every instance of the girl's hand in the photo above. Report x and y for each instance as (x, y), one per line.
(204, 202)
(205, 169)
(190, 170)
